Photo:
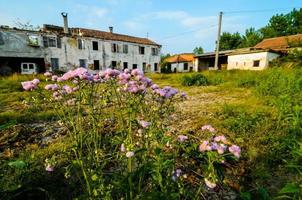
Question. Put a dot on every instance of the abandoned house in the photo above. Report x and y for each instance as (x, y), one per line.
(180, 62)
(64, 48)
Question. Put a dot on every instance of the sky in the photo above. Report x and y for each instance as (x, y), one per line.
(178, 25)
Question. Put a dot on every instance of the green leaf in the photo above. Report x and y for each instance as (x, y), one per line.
(245, 196)
(18, 164)
(290, 188)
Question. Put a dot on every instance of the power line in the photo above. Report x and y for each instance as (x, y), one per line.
(260, 10)
(186, 32)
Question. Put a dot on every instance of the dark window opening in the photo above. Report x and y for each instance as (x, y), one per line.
(54, 63)
(95, 45)
(155, 67)
(154, 51)
(141, 50)
(144, 67)
(113, 64)
(256, 63)
(186, 66)
(52, 42)
(59, 42)
(81, 44)
(96, 64)
(134, 66)
(45, 41)
(30, 66)
(114, 48)
(125, 65)
(82, 63)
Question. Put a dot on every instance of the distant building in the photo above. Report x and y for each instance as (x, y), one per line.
(206, 61)
(64, 48)
(180, 62)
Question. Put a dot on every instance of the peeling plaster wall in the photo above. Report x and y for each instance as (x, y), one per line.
(179, 67)
(70, 54)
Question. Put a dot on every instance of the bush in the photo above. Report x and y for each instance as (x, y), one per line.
(195, 79)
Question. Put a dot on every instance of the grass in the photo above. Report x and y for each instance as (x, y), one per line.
(260, 111)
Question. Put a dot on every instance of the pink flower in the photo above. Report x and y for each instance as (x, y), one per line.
(221, 148)
(54, 78)
(36, 81)
(47, 74)
(235, 150)
(51, 87)
(67, 89)
(209, 183)
(30, 85)
(49, 168)
(137, 72)
(129, 154)
(144, 124)
(182, 138)
(220, 138)
(123, 149)
(204, 146)
(208, 127)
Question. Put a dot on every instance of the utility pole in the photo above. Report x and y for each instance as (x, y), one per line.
(218, 41)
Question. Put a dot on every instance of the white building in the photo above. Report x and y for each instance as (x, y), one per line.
(180, 62)
(64, 48)
(251, 59)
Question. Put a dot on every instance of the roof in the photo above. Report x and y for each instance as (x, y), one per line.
(250, 50)
(212, 54)
(100, 34)
(280, 43)
(185, 57)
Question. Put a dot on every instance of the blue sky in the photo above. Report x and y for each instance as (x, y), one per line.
(179, 25)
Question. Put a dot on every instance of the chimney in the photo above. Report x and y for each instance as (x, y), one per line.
(111, 29)
(64, 15)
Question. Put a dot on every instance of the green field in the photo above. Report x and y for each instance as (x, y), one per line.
(259, 111)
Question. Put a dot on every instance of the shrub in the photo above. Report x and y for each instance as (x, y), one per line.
(194, 79)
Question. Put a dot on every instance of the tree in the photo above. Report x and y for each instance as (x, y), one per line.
(230, 41)
(198, 50)
(251, 38)
(278, 25)
(164, 68)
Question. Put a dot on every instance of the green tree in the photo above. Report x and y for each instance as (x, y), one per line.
(278, 25)
(198, 50)
(230, 41)
(251, 38)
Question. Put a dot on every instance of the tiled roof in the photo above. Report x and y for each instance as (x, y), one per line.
(186, 57)
(101, 35)
(280, 43)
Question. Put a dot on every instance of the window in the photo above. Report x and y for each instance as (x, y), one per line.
(186, 66)
(83, 63)
(125, 48)
(31, 66)
(125, 65)
(155, 67)
(59, 42)
(256, 63)
(134, 66)
(95, 45)
(81, 44)
(49, 41)
(144, 66)
(141, 50)
(96, 64)
(154, 51)
(113, 64)
(114, 48)
(54, 63)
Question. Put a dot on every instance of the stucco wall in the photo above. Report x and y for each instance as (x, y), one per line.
(180, 67)
(246, 61)
(69, 54)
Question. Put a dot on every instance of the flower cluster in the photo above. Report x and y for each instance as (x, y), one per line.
(221, 145)
(208, 128)
(30, 85)
(167, 92)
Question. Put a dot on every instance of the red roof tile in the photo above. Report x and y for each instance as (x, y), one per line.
(186, 57)
(280, 43)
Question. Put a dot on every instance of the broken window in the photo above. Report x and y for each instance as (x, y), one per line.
(114, 48)
(45, 41)
(81, 44)
(96, 64)
(256, 63)
(134, 66)
(52, 42)
(54, 63)
(141, 50)
(83, 63)
(125, 48)
(1, 39)
(154, 51)
(33, 40)
(95, 45)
